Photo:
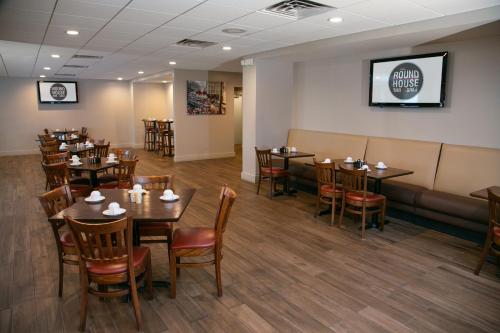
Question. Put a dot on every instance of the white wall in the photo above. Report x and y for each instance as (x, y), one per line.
(332, 95)
(105, 107)
(203, 136)
(151, 100)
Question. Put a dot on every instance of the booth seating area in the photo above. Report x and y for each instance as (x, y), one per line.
(439, 189)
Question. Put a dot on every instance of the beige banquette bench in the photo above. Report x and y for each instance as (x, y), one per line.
(439, 188)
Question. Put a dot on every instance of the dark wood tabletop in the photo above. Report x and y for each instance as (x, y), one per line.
(483, 193)
(377, 174)
(92, 167)
(152, 209)
(73, 149)
(292, 155)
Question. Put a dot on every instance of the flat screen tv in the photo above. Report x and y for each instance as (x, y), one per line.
(57, 92)
(410, 81)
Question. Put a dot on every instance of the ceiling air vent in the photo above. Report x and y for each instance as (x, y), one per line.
(195, 43)
(76, 66)
(296, 9)
(64, 74)
(86, 56)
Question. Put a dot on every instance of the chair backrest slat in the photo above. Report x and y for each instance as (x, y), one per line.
(226, 200)
(57, 174)
(101, 149)
(264, 158)
(154, 182)
(353, 180)
(325, 173)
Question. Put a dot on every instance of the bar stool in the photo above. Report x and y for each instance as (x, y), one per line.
(170, 138)
(161, 136)
(149, 134)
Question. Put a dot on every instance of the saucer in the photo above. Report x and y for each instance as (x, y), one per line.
(89, 199)
(75, 164)
(381, 168)
(175, 198)
(113, 161)
(107, 212)
(132, 191)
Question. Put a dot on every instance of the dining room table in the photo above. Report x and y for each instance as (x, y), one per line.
(92, 168)
(483, 193)
(151, 209)
(286, 156)
(79, 150)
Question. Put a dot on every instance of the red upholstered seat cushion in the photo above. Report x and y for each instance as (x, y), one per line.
(67, 239)
(328, 189)
(139, 256)
(193, 238)
(275, 170)
(496, 235)
(358, 196)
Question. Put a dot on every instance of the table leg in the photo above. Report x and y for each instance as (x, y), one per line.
(93, 179)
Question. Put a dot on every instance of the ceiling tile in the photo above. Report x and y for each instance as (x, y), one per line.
(393, 12)
(210, 11)
(247, 4)
(341, 3)
(81, 8)
(172, 7)
(261, 21)
(24, 16)
(77, 22)
(351, 22)
(144, 16)
(212, 37)
(22, 32)
(56, 35)
(448, 7)
(248, 30)
(173, 33)
(42, 5)
(193, 23)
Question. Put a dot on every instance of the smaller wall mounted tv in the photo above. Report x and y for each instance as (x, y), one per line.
(410, 81)
(57, 92)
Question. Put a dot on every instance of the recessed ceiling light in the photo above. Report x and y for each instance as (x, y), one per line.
(42, 75)
(227, 48)
(55, 56)
(72, 32)
(140, 72)
(234, 31)
(172, 63)
(336, 19)
(119, 78)
(47, 68)
(164, 81)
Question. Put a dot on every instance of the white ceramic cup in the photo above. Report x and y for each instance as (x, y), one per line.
(114, 207)
(75, 158)
(381, 165)
(169, 194)
(137, 188)
(293, 149)
(275, 150)
(112, 155)
(348, 159)
(327, 160)
(95, 195)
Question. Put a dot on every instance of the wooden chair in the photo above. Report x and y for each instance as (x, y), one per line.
(83, 136)
(107, 257)
(148, 229)
(149, 134)
(357, 200)
(268, 171)
(56, 157)
(100, 149)
(58, 175)
(328, 191)
(53, 202)
(123, 177)
(200, 241)
(492, 243)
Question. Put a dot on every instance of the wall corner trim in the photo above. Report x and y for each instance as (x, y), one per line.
(248, 177)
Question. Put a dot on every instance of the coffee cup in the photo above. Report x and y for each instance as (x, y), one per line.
(114, 207)
(75, 157)
(95, 195)
(168, 194)
(293, 149)
(275, 150)
(327, 160)
(380, 165)
(112, 155)
(348, 159)
(137, 188)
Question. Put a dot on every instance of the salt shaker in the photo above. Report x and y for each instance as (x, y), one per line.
(138, 198)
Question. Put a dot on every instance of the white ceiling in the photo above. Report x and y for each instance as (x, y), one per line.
(140, 35)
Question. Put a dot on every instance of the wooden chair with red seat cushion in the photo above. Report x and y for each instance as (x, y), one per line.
(268, 171)
(202, 241)
(492, 243)
(107, 257)
(357, 200)
(75, 178)
(123, 177)
(58, 175)
(328, 191)
(148, 229)
(53, 202)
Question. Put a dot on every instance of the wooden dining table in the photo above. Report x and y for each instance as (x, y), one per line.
(286, 157)
(483, 193)
(91, 168)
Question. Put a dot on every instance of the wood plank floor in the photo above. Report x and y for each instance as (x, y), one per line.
(283, 270)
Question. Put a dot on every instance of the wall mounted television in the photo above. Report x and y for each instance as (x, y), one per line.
(57, 92)
(410, 81)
